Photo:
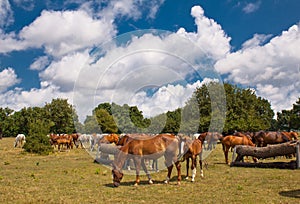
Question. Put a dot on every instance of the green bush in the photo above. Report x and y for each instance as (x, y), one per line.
(37, 141)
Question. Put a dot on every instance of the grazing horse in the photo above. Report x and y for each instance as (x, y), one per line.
(231, 141)
(190, 149)
(212, 139)
(153, 148)
(125, 138)
(20, 140)
(263, 138)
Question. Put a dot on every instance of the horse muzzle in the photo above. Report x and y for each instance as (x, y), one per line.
(116, 184)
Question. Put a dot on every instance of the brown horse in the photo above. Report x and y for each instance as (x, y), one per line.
(110, 138)
(231, 141)
(291, 135)
(263, 138)
(190, 149)
(153, 148)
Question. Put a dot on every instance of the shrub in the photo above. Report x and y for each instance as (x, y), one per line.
(37, 141)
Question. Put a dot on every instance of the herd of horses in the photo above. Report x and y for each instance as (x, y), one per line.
(174, 148)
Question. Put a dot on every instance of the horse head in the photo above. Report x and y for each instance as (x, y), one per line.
(117, 177)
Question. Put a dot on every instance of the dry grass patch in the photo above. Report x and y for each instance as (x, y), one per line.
(72, 177)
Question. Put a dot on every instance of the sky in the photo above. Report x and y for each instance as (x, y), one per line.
(152, 54)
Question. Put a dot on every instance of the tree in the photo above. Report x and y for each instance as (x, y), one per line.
(37, 140)
(241, 110)
(295, 116)
(173, 121)
(5, 123)
(91, 125)
(289, 119)
(62, 114)
(106, 121)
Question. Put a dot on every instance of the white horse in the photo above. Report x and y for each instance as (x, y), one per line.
(20, 140)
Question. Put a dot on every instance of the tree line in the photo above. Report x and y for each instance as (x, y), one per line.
(243, 111)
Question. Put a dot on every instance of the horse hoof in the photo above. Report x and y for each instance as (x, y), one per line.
(136, 184)
(166, 182)
(187, 178)
(150, 182)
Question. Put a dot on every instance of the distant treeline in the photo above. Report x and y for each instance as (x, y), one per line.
(238, 109)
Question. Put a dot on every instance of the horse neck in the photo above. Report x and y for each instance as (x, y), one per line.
(120, 158)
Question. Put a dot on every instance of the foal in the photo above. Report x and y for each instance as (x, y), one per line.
(190, 149)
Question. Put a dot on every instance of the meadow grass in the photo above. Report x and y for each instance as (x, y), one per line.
(73, 177)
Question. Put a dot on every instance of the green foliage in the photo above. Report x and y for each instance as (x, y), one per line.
(91, 125)
(289, 119)
(113, 118)
(62, 114)
(246, 111)
(5, 122)
(106, 121)
(173, 121)
(37, 140)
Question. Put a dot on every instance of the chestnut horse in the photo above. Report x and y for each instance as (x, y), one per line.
(153, 148)
(231, 141)
(263, 138)
(110, 138)
(190, 149)
(291, 135)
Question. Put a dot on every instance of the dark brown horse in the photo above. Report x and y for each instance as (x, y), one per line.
(263, 138)
(231, 141)
(190, 149)
(153, 148)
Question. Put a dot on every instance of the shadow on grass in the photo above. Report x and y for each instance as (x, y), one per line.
(291, 193)
(143, 183)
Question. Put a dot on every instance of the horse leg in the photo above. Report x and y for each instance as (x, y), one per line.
(137, 162)
(200, 163)
(194, 169)
(178, 167)
(187, 168)
(147, 172)
(226, 155)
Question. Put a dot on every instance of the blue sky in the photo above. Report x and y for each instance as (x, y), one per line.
(45, 47)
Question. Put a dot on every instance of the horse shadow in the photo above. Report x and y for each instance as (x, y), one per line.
(143, 183)
(290, 193)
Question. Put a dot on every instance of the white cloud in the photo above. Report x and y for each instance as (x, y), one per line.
(272, 68)
(123, 74)
(17, 99)
(8, 78)
(64, 72)
(6, 14)
(130, 9)
(9, 42)
(210, 36)
(251, 7)
(40, 63)
(69, 31)
(257, 40)
(166, 98)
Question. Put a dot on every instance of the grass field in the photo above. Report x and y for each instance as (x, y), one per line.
(73, 177)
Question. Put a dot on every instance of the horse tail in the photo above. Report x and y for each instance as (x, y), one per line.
(223, 146)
